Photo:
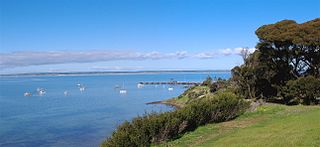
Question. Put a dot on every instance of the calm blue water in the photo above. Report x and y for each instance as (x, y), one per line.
(80, 118)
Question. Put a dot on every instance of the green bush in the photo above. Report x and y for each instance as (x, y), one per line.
(160, 127)
(303, 90)
(207, 82)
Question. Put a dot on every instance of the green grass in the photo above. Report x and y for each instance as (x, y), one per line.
(189, 95)
(270, 125)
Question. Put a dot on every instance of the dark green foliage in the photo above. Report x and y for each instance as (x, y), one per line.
(220, 84)
(207, 82)
(214, 85)
(291, 49)
(254, 78)
(302, 90)
(286, 51)
(156, 128)
(121, 138)
(213, 88)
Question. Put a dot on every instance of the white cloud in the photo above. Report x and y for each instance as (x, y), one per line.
(227, 51)
(20, 59)
(16, 59)
(206, 55)
(221, 52)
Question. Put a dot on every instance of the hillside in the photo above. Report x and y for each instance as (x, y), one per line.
(190, 95)
(269, 125)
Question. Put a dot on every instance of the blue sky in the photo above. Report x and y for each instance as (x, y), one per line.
(102, 35)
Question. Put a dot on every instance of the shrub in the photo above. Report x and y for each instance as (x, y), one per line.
(159, 127)
(303, 90)
(207, 82)
(213, 88)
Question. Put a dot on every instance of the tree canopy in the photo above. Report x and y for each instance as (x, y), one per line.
(286, 51)
(296, 45)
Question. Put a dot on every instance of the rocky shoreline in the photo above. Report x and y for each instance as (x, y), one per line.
(164, 103)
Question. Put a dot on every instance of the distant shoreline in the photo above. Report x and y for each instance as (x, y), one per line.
(108, 73)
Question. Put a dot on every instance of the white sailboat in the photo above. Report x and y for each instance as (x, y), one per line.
(139, 85)
(27, 94)
(123, 90)
(66, 93)
(41, 91)
(81, 87)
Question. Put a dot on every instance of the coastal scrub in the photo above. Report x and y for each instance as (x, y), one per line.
(160, 127)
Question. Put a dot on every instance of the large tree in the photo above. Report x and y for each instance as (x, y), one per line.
(286, 51)
(292, 47)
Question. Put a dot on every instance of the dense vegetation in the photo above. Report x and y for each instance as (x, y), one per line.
(156, 128)
(206, 89)
(286, 51)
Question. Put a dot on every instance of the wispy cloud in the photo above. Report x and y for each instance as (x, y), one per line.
(19, 59)
(221, 52)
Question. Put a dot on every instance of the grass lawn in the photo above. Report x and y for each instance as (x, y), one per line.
(270, 125)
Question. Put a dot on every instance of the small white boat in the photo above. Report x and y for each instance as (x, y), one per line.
(139, 85)
(170, 88)
(123, 91)
(41, 91)
(82, 89)
(27, 94)
(66, 93)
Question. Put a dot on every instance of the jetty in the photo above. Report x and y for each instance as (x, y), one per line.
(170, 83)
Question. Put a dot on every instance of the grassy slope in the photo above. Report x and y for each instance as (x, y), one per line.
(188, 96)
(270, 125)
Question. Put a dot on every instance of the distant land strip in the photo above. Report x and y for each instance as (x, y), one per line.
(110, 72)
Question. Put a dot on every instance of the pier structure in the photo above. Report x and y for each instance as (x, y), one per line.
(170, 83)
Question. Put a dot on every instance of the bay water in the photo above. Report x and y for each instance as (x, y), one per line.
(66, 116)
